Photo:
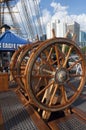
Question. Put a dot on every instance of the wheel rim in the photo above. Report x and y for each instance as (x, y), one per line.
(49, 66)
(13, 63)
(22, 62)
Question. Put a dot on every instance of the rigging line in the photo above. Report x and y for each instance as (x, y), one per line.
(3, 13)
(10, 13)
(13, 17)
(25, 16)
(38, 16)
(28, 20)
(43, 27)
(29, 23)
(21, 18)
(33, 18)
(18, 26)
(0, 18)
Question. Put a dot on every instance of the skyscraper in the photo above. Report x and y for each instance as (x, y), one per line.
(59, 27)
(74, 29)
(82, 39)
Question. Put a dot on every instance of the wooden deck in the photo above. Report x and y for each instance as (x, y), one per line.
(22, 117)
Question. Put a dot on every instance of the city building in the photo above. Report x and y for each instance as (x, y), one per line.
(82, 39)
(74, 29)
(59, 27)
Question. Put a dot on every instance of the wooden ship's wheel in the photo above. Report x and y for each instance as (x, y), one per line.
(13, 63)
(18, 65)
(52, 81)
(22, 62)
(47, 72)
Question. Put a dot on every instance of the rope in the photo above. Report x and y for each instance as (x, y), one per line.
(21, 19)
(37, 16)
(28, 21)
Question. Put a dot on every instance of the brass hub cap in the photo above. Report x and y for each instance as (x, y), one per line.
(61, 76)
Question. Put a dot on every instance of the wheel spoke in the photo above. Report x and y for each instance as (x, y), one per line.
(49, 71)
(64, 99)
(37, 86)
(53, 62)
(42, 76)
(67, 56)
(46, 87)
(72, 86)
(57, 56)
(75, 75)
(48, 57)
(42, 59)
(53, 94)
(48, 64)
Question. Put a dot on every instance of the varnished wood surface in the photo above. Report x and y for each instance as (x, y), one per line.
(4, 82)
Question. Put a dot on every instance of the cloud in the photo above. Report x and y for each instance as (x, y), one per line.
(46, 16)
(58, 12)
(61, 12)
(57, 7)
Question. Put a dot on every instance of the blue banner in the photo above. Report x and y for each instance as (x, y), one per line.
(10, 41)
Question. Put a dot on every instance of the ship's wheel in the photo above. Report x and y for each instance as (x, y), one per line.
(51, 78)
(22, 62)
(13, 63)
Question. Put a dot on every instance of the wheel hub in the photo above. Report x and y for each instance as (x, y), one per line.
(61, 76)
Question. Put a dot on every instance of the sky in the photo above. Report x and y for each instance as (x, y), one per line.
(74, 6)
(65, 10)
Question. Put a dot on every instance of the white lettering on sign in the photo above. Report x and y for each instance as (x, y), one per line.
(0, 45)
(8, 45)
